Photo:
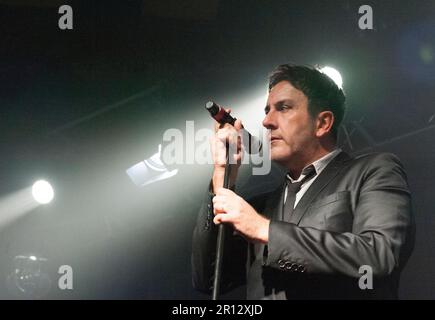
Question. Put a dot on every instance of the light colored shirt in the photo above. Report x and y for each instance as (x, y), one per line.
(319, 166)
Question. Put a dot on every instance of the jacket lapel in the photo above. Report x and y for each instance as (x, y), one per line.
(331, 170)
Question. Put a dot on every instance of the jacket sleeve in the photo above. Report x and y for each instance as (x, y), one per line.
(381, 236)
(204, 253)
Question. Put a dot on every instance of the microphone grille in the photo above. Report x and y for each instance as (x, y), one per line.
(212, 107)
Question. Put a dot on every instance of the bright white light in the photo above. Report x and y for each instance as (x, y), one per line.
(334, 75)
(150, 170)
(42, 192)
(32, 258)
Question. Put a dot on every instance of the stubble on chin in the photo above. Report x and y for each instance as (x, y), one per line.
(279, 156)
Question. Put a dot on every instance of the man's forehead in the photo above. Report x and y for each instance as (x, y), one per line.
(284, 91)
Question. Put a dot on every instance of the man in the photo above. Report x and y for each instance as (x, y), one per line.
(333, 216)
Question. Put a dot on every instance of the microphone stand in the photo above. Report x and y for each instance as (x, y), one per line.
(221, 233)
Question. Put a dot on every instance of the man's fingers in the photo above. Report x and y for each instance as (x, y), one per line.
(218, 199)
(224, 134)
(238, 124)
(218, 210)
(224, 191)
(237, 158)
(234, 138)
(218, 125)
(216, 220)
(221, 218)
(219, 204)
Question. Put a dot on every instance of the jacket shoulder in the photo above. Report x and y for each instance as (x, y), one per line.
(378, 161)
(382, 169)
(377, 157)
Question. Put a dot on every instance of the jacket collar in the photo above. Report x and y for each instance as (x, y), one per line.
(274, 203)
(324, 178)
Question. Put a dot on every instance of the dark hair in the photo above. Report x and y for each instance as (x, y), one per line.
(322, 92)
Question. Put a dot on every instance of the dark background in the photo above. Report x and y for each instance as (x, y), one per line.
(80, 106)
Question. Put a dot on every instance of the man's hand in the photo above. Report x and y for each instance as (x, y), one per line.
(231, 134)
(232, 209)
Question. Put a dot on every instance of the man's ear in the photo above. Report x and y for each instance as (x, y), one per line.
(324, 123)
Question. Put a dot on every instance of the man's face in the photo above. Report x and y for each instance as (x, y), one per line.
(291, 128)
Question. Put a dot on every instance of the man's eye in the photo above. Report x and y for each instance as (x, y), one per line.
(285, 107)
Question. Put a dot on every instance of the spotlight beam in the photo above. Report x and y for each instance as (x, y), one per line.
(16, 205)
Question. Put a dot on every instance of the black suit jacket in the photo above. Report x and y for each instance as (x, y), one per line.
(356, 213)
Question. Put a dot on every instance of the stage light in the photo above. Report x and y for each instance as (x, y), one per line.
(150, 170)
(42, 192)
(334, 75)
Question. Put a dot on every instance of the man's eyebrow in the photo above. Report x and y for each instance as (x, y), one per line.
(280, 104)
(284, 101)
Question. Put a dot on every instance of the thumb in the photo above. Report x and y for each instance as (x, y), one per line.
(238, 124)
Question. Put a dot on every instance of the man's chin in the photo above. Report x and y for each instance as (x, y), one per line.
(278, 157)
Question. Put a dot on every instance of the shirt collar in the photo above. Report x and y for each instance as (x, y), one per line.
(319, 164)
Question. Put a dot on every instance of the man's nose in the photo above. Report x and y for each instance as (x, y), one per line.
(269, 121)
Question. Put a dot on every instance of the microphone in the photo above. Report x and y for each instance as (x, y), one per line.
(253, 145)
